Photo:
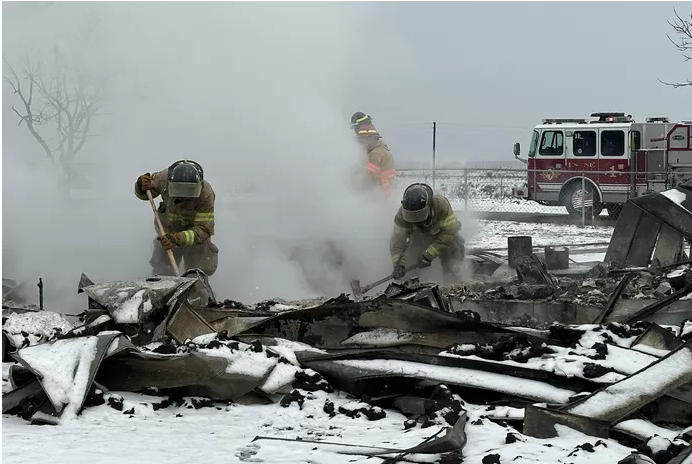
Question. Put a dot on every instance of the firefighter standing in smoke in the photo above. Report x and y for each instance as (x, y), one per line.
(187, 214)
(427, 221)
(380, 165)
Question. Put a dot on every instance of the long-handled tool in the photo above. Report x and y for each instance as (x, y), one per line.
(162, 232)
(358, 290)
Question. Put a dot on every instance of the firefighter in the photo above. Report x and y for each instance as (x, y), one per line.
(380, 165)
(187, 214)
(427, 222)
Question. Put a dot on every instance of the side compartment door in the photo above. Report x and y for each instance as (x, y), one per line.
(613, 162)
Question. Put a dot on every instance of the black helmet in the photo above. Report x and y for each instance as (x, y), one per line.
(359, 118)
(185, 179)
(416, 203)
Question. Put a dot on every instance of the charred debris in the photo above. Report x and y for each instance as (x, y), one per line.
(604, 348)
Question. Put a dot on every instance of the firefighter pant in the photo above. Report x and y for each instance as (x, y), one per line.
(204, 256)
(451, 258)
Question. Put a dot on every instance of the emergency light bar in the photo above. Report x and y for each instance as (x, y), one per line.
(561, 121)
(659, 119)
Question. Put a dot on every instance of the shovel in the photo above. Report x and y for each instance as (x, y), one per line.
(358, 291)
(162, 232)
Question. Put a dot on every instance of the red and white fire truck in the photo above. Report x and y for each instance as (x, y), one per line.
(612, 156)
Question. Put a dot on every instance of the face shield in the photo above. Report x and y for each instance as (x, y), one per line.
(416, 217)
(184, 189)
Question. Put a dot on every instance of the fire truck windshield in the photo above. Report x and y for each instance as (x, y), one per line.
(534, 144)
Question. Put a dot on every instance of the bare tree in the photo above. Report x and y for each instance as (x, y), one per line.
(682, 29)
(60, 95)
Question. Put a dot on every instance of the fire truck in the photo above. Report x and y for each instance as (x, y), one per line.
(587, 165)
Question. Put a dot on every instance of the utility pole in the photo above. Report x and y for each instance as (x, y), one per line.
(434, 140)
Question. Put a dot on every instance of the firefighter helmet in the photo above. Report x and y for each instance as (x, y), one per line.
(185, 178)
(415, 206)
(359, 118)
(362, 125)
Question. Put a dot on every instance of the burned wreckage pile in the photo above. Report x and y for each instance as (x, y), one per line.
(441, 367)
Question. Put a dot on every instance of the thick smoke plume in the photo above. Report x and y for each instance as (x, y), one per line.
(259, 94)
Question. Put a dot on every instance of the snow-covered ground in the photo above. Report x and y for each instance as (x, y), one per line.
(493, 234)
(226, 432)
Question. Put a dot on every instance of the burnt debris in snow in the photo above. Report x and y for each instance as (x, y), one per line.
(429, 352)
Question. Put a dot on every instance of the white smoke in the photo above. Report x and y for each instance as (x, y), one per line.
(258, 94)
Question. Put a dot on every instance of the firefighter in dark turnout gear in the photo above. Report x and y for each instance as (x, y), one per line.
(187, 214)
(428, 221)
(380, 164)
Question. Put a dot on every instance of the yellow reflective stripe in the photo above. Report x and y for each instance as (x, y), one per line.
(451, 219)
(395, 258)
(189, 236)
(363, 118)
(204, 217)
(174, 216)
(432, 252)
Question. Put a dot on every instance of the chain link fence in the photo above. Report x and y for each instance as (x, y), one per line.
(491, 190)
(479, 189)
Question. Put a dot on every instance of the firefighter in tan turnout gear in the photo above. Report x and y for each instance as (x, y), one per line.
(380, 165)
(427, 222)
(187, 215)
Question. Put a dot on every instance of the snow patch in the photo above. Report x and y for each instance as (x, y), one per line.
(676, 196)
(379, 337)
(524, 388)
(650, 382)
(128, 312)
(644, 429)
(63, 368)
(243, 361)
(43, 323)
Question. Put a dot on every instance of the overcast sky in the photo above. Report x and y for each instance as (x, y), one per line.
(486, 71)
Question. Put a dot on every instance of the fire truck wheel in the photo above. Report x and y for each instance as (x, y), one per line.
(572, 201)
(614, 210)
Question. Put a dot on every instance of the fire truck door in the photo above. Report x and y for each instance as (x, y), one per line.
(613, 164)
(582, 153)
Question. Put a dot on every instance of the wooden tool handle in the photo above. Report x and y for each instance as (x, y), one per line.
(367, 288)
(162, 232)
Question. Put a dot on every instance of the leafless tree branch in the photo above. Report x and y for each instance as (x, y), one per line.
(28, 117)
(68, 96)
(682, 29)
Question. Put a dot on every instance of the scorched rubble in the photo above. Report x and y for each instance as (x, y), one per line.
(445, 372)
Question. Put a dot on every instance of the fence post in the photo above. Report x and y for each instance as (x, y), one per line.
(502, 190)
(433, 153)
(583, 198)
(466, 189)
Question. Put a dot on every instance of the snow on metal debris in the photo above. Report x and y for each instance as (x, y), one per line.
(686, 329)
(657, 352)
(649, 382)
(677, 197)
(523, 388)
(40, 325)
(379, 337)
(64, 369)
(243, 360)
(130, 310)
(644, 429)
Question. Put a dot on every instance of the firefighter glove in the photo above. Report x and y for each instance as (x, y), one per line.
(144, 182)
(424, 261)
(169, 241)
(399, 272)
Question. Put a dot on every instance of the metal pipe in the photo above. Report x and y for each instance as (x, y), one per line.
(433, 153)
(40, 293)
